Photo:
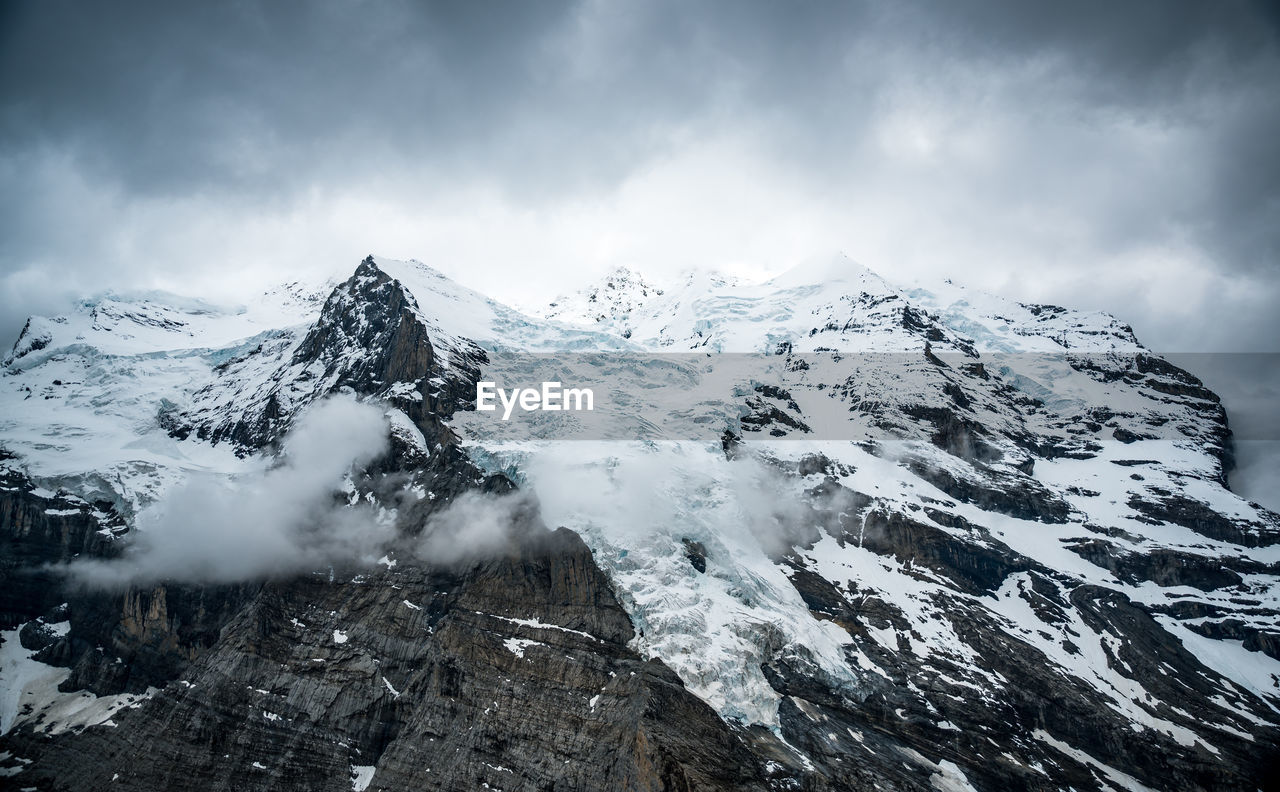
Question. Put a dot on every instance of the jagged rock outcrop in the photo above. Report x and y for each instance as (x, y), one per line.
(370, 338)
(512, 672)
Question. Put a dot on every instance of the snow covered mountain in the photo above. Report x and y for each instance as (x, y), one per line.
(608, 304)
(820, 533)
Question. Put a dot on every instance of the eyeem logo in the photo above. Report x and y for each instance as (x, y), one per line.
(552, 397)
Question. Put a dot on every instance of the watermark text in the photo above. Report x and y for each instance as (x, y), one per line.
(551, 397)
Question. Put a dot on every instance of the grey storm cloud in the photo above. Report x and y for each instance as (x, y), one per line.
(1102, 155)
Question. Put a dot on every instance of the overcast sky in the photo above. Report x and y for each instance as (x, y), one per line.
(1112, 155)
(1105, 155)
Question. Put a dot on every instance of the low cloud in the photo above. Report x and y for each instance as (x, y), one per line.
(475, 525)
(287, 519)
(680, 489)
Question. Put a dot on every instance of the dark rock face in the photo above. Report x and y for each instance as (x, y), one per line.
(1190, 513)
(1166, 567)
(954, 433)
(370, 336)
(696, 552)
(1251, 638)
(141, 637)
(774, 410)
(38, 529)
(118, 641)
(975, 567)
(512, 672)
(1008, 493)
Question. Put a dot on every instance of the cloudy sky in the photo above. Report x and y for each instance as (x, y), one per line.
(1105, 155)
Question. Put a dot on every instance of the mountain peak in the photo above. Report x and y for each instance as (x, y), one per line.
(610, 301)
(831, 268)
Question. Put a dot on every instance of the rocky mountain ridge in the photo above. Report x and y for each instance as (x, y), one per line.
(944, 540)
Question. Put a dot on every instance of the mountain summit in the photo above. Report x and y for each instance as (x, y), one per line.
(609, 304)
